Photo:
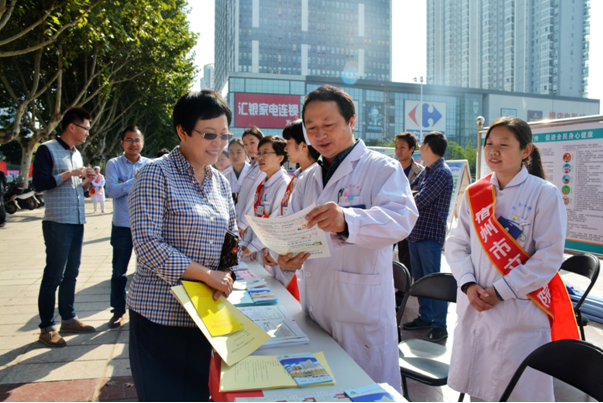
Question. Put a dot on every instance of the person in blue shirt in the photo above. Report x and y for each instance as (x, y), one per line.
(120, 174)
(425, 242)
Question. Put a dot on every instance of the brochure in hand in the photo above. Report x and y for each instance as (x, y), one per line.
(370, 393)
(304, 368)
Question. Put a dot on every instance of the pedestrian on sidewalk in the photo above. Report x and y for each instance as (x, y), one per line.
(425, 242)
(97, 192)
(180, 209)
(121, 172)
(60, 173)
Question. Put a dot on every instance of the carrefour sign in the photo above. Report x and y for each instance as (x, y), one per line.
(422, 118)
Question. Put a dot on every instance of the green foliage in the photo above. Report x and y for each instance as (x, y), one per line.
(125, 62)
(378, 143)
(456, 152)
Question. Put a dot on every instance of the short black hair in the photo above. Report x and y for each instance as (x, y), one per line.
(437, 142)
(132, 128)
(236, 141)
(278, 144)
(253, 131)
(75, 115)
(201, 105)
(295, 131)
(162, 152)
(345, 103)
(410, 139)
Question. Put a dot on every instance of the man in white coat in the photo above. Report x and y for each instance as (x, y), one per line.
(364, 202)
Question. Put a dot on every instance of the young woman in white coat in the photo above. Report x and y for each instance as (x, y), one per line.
(268, 195)
(239, 167)
(498, 325)
(364, 203)
(251, 138)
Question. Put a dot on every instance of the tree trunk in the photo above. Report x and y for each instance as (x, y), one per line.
(26, 154)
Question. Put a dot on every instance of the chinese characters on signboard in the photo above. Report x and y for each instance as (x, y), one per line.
(265, 110)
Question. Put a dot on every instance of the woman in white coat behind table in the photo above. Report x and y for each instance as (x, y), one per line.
(238, 167)
(251, 138)
(365, 205)
(521, 220)
(267, 197)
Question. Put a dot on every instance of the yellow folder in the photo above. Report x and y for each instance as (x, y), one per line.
(231, 347)
(216, 316)
(258, 372)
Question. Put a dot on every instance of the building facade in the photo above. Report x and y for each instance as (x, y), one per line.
(529, 46)
(208, 77)
(337, 39)
(270, 101)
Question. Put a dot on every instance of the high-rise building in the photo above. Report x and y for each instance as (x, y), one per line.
(530, 46)
(208, 77)
(349, 39)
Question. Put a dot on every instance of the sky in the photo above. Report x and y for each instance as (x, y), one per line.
(409, 40)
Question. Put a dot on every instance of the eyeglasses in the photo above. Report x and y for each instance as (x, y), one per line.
(87, 129)
(213, 136)
(263, 154)
(130, 141)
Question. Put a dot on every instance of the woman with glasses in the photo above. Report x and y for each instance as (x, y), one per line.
(180, 209)
(268, 195)
(239, 167)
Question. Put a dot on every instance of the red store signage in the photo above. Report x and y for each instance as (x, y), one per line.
(265, 110)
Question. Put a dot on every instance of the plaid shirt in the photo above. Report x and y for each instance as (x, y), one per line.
(434, 186)
(175, 220)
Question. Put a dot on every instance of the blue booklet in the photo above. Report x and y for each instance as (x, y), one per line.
(304, 368)
(262, 296)
(370, 393)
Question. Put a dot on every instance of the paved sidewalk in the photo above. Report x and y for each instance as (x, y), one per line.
(95, 366)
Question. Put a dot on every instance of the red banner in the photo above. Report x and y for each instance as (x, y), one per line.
(265, 110)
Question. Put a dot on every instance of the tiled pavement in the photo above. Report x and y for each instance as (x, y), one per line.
(95, 366)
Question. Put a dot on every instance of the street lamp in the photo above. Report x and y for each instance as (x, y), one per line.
(420, 80)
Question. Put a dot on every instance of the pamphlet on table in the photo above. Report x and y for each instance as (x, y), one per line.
(291, 234)
(278, 323)
(253, 296)
(304, 368)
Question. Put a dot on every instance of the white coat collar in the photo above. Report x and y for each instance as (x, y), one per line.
(517, 180)
(345, 167)
(274, 178)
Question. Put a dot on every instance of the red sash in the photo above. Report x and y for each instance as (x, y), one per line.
(285, 201)
(259, 192)
(505, 254)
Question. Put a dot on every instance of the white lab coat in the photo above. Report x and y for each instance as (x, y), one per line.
(235, 183)
(489, 346)
(245, 200)
(351, 293)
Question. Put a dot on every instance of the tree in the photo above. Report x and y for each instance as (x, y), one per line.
(456, 152)
(103, 63)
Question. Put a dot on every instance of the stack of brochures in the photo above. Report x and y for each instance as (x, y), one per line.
(373, 393)
(305, 369)
(252, 296)
(278, 323)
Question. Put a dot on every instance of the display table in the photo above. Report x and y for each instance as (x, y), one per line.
(347, 373)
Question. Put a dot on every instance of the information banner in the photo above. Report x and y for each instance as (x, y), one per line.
(572, 156)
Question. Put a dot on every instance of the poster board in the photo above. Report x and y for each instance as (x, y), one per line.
(462, 178)
(572, 156)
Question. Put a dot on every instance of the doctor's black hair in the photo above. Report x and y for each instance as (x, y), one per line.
(523, 134)
(345, 103)
(295, 131)
(201, 105)
(278, 145)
